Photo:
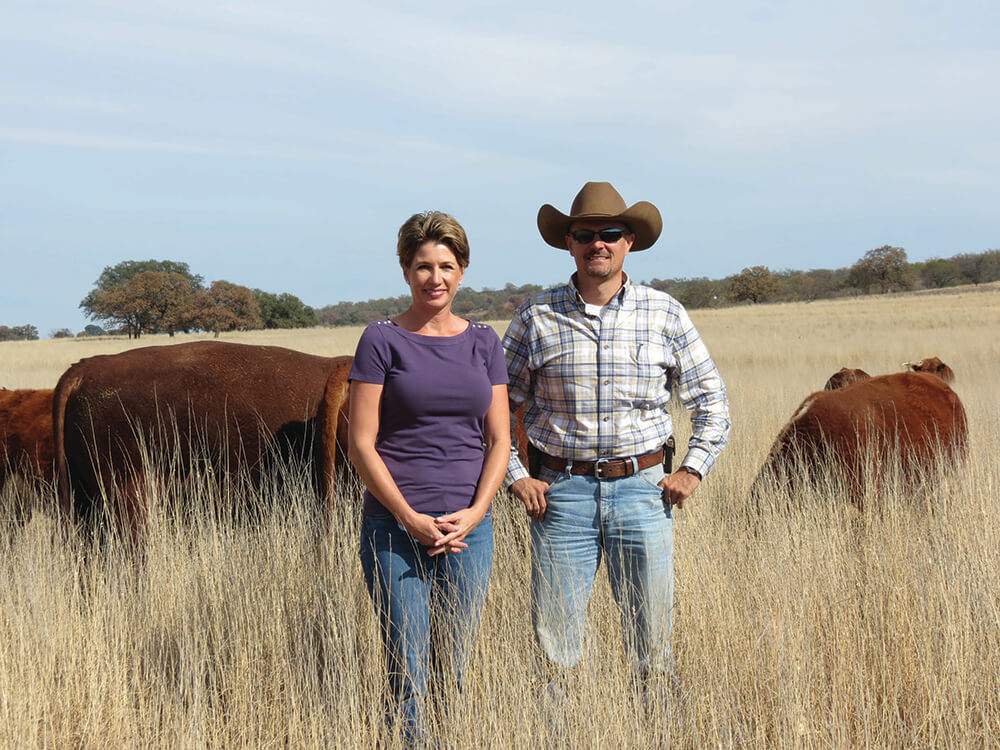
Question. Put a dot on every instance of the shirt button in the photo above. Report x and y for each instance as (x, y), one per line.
(606, 382)
(606, 419)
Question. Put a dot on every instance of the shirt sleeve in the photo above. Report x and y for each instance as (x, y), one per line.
(496, 365)
(371, 358)
(517, 353)
(701, 390)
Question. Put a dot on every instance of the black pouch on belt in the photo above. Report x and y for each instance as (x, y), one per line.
(668, 456)
(534, 460)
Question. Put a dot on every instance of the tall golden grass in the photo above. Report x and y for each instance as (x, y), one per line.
(822, 628)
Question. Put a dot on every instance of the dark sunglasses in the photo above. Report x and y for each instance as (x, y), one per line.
(586, 236)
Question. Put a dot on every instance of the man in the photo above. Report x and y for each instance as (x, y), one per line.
(594, 363)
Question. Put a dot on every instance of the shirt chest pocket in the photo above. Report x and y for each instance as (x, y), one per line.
(641, 372)
(653, 355)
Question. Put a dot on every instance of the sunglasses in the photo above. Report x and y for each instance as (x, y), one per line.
(586, 236)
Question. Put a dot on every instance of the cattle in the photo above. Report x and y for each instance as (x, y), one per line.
(845, 376)
(26, 434)
(520, 435)
(227, 408)
(913, 418)
(934, 366)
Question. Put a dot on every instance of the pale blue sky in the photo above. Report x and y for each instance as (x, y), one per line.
(281, 144)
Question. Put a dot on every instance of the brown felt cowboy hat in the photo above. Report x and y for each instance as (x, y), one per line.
(599, 200)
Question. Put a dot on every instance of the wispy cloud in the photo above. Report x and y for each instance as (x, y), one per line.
(362, 150)
(385, 67)
(102, 142)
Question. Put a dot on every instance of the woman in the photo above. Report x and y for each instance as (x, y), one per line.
(429, 435)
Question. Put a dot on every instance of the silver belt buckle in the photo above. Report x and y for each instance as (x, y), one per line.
(597, 467)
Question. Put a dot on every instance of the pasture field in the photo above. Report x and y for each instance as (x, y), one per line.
(823, 628)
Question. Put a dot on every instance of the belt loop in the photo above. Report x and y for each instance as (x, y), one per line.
(635, 464)
(569, 466)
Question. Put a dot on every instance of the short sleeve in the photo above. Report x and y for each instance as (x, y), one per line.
(371, 358)
(496, 364)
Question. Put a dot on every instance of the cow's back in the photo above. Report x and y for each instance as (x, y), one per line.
(228, 403)
(912, 417)
(26, 433)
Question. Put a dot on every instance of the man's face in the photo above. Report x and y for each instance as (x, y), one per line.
(597, 258)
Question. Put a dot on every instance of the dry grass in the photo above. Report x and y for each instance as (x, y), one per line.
(822, 629)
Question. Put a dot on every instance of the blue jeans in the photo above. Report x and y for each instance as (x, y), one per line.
(427, 607)
(626, 521)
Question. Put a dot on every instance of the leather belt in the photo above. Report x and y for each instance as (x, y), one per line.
(605, 468)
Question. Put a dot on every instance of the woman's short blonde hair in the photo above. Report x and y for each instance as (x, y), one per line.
(432, 226)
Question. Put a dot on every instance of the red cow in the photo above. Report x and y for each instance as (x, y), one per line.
(26, 433)
(911, 418)
(520, 436)
(844, 376)
(224, 407)
(934, 366)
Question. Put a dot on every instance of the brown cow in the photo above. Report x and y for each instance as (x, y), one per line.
(226, 407)
(910, 417)
(26, 433)
(845, 376)
(934, 366)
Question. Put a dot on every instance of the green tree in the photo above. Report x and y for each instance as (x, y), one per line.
(127, 270)
(26, 332)
(979, 268)
(284, 311)
(818, 283)
(937, 273)
(228, 307)
(150, 302)
(752, 284)
(700, 292)
(884, 267)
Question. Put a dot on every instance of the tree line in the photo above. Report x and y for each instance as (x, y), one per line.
(163, 296)
(881, 270)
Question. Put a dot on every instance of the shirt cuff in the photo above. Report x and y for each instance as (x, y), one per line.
(699, 460)
(515, 471)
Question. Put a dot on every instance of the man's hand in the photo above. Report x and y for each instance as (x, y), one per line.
(531, 492)
(678, 487)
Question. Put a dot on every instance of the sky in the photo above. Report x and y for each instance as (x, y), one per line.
(280, 145)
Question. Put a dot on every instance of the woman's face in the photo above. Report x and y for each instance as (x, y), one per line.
(434, 275)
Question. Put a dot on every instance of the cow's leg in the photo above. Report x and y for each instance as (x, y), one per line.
(132, 512)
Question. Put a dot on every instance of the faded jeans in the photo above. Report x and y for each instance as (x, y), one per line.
(626, 521)
(428, 609)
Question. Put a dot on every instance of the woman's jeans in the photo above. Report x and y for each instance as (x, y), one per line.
(428, 608)
(625, 520)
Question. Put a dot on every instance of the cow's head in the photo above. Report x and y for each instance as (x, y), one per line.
(934, 366)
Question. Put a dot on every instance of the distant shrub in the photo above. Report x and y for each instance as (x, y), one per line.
(18, 333)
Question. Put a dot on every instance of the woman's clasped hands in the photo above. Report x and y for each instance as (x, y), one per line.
(443, 534)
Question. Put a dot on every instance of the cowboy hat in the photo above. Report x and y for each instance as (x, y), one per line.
(599, 200)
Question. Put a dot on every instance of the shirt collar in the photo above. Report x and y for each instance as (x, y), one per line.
(624, 294)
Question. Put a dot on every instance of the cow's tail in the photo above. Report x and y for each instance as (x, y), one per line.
(64, 389)
(331, 444)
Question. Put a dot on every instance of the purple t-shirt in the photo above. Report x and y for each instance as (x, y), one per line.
(436, 392)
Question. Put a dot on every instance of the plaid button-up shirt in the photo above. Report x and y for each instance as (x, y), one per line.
(596, 383)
